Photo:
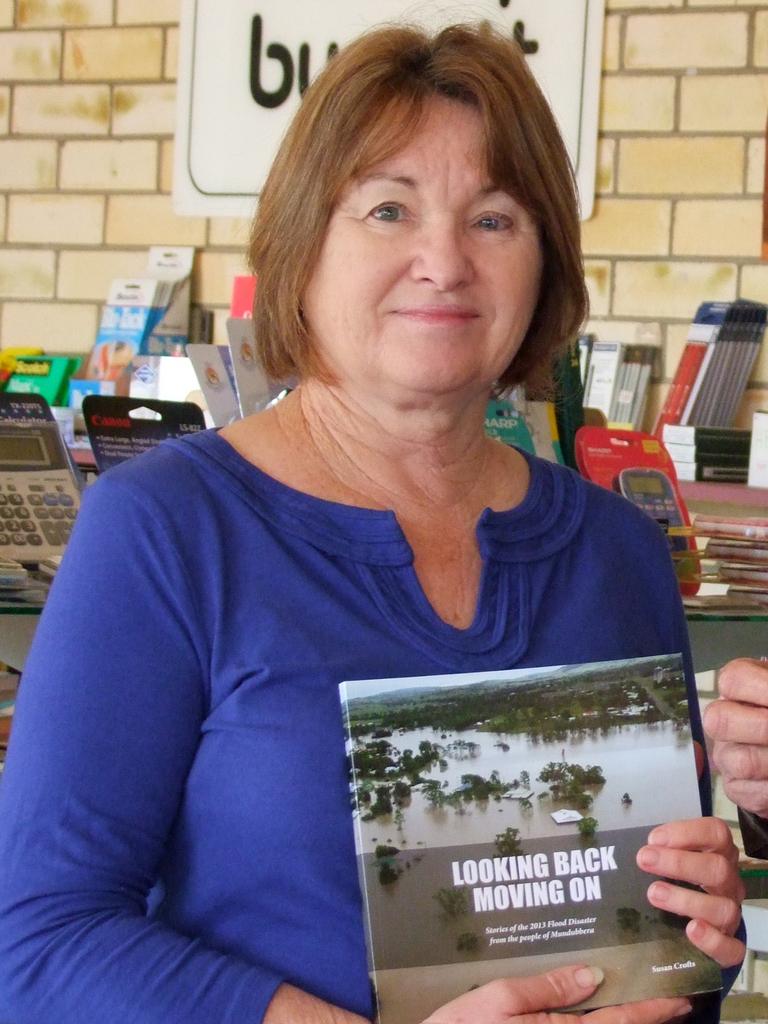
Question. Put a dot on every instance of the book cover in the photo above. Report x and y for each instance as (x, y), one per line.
(497, 819)
(604, 371)
(751, 528)
(723, 460)
(688, 369)
(754, 575)
(629, 397)
(757, 592)
(693, 471)
(637, 410)
(585, 342)
(694, 360)
(731, 441)
(727, 371)
(742, 551)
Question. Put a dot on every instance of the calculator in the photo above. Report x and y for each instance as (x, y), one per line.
(39, 495)
(640, 467)
(652, 491)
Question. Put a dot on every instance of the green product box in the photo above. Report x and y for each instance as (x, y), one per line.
(43, 375)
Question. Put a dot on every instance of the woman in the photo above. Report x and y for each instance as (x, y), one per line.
(416, 244)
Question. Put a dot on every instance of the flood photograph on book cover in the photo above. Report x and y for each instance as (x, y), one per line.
(497, 819)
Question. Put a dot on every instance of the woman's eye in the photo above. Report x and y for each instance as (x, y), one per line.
(387, 212)
(494, 222)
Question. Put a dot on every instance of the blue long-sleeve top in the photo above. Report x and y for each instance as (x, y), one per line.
(175, 830)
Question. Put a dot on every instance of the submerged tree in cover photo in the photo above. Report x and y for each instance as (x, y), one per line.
(453, 902)
(587, 826)
(468, 942)
(567, 782)
(628, 919)
(508, 842)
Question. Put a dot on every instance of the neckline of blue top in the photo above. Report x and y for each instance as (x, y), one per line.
(542, 524)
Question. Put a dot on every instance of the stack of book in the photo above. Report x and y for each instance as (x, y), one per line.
(735, 554)
(708, 453)
(617, 381)
(712, 375)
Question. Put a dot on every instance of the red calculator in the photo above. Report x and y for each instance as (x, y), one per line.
(638, 466)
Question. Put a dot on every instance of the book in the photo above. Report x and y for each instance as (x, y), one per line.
(692, 364)
(631, 390)
(732, 356)
(723, 604)
(755, 576)
(752, 528)
(647, 358)
(737, 460)
(713, 439)
(604, 363)
(497, 819)
(758, 593)
(683, 453)
(692, 471)
(742, 551)
(584, 343)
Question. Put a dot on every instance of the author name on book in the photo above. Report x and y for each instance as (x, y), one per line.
(676, 966)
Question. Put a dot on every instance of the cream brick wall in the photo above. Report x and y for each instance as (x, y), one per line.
(87, 107)
(113, 54)
(5, 109)
(109, 166)
(684, 105)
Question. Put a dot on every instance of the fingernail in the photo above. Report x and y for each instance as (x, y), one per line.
(659, 837)
(589, 977)
(695, 929)
(648, 857)
(682, 1009)
(660, 892)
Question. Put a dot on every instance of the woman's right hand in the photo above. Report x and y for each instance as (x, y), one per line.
(526, 1000)
(503, 1001)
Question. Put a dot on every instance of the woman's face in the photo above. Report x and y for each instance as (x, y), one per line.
(428, 275)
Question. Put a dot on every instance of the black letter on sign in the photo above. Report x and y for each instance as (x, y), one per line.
(304, 64)
(303, 68)
(277, 52)
(526, 45)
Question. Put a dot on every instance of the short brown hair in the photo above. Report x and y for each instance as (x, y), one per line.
(362, 108)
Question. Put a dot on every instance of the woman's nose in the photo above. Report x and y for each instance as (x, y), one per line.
(442, 256)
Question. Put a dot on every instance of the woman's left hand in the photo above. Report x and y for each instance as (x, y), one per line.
(702, 853)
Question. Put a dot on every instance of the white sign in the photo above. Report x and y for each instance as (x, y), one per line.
(243, 65)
